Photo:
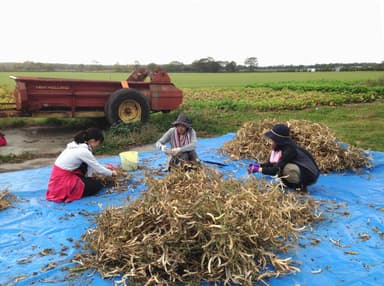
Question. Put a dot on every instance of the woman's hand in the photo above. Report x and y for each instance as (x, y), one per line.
(111, 167)
(175, 151)
(164, 149)
(253, 168)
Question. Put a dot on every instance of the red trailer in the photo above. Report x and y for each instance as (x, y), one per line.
(125, 101)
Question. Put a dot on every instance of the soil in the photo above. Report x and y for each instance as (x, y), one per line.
(45, 143)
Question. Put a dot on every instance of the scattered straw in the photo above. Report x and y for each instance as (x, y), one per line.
(115, 183)
(6, 198)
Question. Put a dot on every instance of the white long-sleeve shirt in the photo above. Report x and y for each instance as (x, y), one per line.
(76, 154)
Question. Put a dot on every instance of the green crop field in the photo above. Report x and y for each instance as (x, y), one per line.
(217, 80)
(208, 80)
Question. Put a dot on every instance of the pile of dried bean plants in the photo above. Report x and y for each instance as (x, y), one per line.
(319, 140)
(198, 226)
(6, 198)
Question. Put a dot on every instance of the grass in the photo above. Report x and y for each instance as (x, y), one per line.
(360, 125)
(220, 103)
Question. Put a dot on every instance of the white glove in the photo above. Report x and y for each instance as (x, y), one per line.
(164, 148)
(175, 151)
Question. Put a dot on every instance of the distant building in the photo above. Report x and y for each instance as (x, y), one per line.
(311, 69)
(337, 69)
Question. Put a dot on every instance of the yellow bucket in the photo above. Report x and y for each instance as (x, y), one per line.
(129, 160)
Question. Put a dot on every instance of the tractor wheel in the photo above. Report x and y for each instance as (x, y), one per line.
(127, 106)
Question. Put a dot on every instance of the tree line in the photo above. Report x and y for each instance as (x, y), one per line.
(204, 65)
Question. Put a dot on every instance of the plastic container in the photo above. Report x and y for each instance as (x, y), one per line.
(129, 160)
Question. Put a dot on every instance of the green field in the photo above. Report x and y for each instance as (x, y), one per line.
(208, 80)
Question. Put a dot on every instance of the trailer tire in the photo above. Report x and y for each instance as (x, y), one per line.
(127, 106)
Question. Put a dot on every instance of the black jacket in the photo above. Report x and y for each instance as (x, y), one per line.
(292, 153)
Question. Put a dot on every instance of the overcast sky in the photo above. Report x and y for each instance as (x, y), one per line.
(160, 31)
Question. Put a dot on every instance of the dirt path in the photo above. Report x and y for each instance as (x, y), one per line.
(46, 142)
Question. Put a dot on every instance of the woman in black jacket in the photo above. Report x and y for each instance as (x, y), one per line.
(293, 164)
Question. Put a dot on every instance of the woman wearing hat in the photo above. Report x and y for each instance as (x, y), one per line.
(293, 164)
(183, 141)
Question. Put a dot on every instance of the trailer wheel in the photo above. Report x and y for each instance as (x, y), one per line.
(128, 106)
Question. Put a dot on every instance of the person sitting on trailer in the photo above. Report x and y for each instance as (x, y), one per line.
(183, 141)
(3, 140)
(71, 176)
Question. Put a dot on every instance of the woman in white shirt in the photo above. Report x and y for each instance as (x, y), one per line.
(71, 177)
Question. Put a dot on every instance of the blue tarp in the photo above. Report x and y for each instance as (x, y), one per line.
(39, 238)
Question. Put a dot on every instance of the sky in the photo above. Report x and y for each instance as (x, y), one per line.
(276, 32)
